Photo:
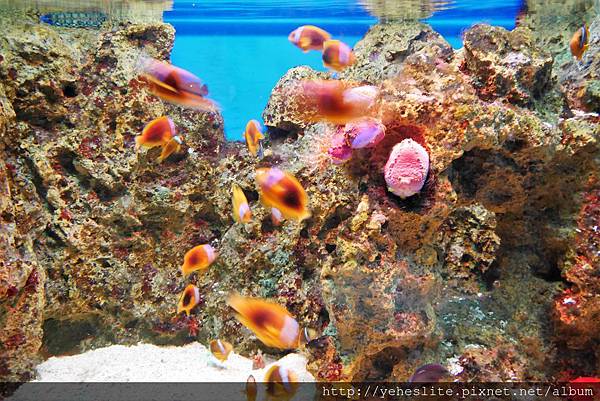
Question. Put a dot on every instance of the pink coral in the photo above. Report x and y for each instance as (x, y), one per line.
(364, 133)
(339, 151)
(406, 169)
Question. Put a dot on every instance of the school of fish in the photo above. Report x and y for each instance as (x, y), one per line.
(347, 105)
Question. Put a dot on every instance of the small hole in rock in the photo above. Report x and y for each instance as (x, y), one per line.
(70, 90)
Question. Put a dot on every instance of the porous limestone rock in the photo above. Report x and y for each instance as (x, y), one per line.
(506, 64)
(577, 308)
(381, 53)
(470, 244)
(90, 223)
(553, 23)
(581, 79)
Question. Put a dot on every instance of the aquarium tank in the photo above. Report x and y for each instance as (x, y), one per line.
(299, 200)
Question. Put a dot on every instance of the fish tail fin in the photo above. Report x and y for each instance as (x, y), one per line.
(138, 142)
(171, 147)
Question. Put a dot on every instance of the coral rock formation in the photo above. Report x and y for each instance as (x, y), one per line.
(506, 64)
(577, 309)
(380, 54)
(81, 208)
(465, 273)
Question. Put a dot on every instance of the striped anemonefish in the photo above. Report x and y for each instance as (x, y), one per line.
(175, 85)
(281, 190)
(220, 349)
(281, 382)
(337, 55)
(198, 258)
(580, 41)
(160, 132)
(270, 322)
(309, 37)
(254, 136)
(190, 297)
(336, 101)
(241, 210)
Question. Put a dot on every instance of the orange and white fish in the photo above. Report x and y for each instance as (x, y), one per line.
(220, 349)
(281, 383)
(336, 101)
(160, 132)
(276, 216)
(190, 297)
(337, 55)
(198, 258)
(241, 210)
(254, 137)
(309, 37)
(175, 85)
(580, 42)
(251, 389)
(281, 190)
(271, 323)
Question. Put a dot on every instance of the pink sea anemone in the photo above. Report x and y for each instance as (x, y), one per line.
(406, 169)
(339, 150)
(364, 133)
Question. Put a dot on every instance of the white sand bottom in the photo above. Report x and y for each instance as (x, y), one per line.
(147, 363)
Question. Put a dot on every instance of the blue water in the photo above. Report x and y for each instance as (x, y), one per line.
(240, 49)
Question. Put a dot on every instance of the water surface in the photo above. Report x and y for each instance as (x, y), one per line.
(240, 48)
